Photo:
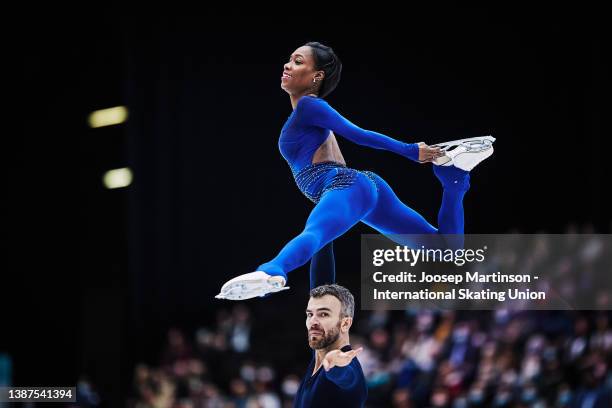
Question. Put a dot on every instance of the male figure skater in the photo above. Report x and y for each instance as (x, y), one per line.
(334, 377)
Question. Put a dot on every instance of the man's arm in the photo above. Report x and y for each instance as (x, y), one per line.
(323, 267)
(343, 377)
(339, 370)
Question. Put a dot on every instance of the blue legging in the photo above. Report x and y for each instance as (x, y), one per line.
(374, 203)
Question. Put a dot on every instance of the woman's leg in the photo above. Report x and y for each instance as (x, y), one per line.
(323, 267)
(456, 183)
(337, 211)
(392, 217)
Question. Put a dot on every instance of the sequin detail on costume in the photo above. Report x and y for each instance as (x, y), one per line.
(311, 177)
(371, 176)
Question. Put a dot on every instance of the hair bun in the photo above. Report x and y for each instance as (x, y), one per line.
(332, 68)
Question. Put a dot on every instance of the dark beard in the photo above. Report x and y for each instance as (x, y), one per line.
(326, 340)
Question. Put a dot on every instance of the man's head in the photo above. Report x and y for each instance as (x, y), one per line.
(329, 315)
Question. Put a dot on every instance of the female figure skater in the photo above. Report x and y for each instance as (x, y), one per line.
(345, 196)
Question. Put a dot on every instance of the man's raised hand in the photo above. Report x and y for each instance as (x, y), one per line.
(339, 358)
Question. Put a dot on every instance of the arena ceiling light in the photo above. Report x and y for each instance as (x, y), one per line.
(108, 117)
(117, 178)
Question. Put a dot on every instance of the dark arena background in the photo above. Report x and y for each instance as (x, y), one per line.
(109, 279)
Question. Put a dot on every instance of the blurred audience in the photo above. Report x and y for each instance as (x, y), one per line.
(415, 358)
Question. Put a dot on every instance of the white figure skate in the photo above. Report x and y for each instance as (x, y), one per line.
(465, 153)
(251, 285)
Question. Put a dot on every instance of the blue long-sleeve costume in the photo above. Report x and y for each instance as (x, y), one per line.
(338, 388)
(345, 196)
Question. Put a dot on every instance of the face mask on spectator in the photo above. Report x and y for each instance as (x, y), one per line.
(461, 334)
(564, 397)
(502, 399)
(476, 396)
(549, 353)
(247, 372)
(460, 402)
(529, 395)
(290, 387)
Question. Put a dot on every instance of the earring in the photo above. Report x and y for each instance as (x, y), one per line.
(314, 80)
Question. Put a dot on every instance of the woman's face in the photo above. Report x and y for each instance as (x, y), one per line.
(299, 72)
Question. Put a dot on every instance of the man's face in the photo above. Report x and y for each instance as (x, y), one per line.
(323, 321)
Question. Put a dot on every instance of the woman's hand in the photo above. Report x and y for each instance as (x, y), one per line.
(428, 154)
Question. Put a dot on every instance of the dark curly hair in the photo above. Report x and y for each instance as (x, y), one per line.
(341, 293)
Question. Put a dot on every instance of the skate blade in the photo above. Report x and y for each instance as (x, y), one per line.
(447, 145)
(248, 290)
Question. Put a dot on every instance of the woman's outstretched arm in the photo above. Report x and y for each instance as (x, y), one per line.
(318, 112)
